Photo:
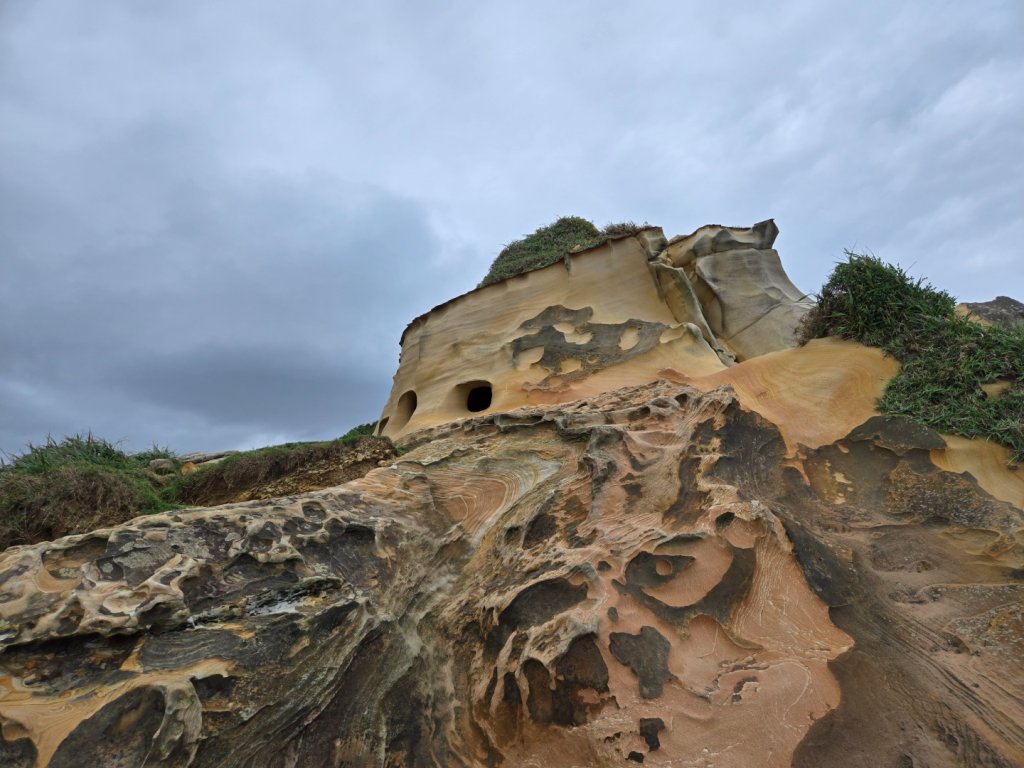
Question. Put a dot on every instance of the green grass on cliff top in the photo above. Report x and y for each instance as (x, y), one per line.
(73, 486)
(545, 246)
(550, 244)
(945, 358)
(84, 482)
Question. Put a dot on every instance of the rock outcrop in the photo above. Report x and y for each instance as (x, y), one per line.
(638, 551)
(612, 316)
(658, 574)
(1002, 311)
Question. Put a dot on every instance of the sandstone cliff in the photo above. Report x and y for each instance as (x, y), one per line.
(614, 315)
(725, 565)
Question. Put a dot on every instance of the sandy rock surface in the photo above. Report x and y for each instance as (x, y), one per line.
(613, 316)
(656, 574)
(630, 523)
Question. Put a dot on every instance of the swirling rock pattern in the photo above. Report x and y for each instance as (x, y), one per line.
(654, 575)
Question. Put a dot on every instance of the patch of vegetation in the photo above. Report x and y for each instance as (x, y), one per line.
(359, 432)
(618, 229)
(545, 246)
(73, 486)
(945, 358)
(551, 243)
(84, 482)
(218, 482)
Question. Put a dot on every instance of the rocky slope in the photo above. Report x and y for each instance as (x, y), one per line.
(288, 472)
(630, 523)
(740, 568)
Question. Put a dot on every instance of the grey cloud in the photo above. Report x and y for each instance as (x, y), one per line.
(205, 208)
(255, 302)
(277, 389)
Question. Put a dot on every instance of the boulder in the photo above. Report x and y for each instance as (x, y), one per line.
(163, 466)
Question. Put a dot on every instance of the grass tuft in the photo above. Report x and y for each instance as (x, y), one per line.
(544, 247)
(221, 481)
(73, 486)
(551, 243)
(84, 482)
(618, 229)
(945, 358)
(359, 432)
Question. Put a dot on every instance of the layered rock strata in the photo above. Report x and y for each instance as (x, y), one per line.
(656, 575)
(611, 316)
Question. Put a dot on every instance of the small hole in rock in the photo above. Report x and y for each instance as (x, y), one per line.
(479, 398)
(724, 521)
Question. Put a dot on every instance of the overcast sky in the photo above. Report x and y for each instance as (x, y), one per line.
(217, 218)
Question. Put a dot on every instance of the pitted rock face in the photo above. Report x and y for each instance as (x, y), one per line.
(652, 575)
(571, 347)
(619, 314)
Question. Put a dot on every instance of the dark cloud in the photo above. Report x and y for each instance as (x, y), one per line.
(250, 304)
(216, 219)
(259, 387)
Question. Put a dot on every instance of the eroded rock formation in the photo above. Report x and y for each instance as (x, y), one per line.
(1002, 311)
(658, 574)
(631, 524)
(612, 316)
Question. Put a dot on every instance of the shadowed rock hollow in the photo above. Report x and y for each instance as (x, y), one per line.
(742, 565)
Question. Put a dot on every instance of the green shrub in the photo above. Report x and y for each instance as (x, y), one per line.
(945, 358)
(74, 486)
(359, 432)
(544, 247)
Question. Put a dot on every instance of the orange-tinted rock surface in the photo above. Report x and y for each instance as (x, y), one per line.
(606, 543)
(657, 574)
(608, 317)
